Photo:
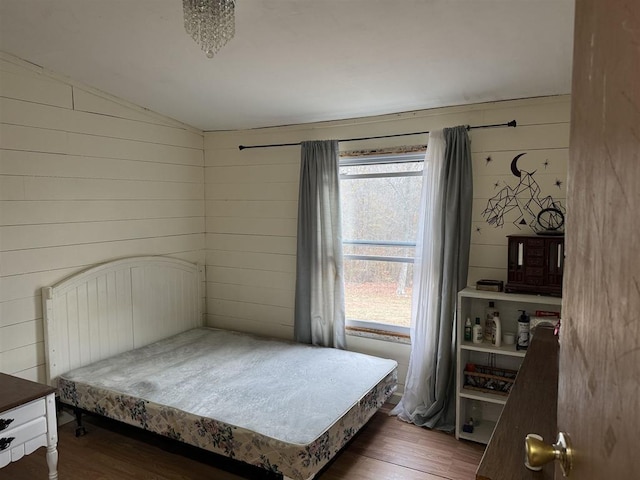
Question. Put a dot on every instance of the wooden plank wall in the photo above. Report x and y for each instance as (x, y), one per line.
(84, 178)
(251, 202)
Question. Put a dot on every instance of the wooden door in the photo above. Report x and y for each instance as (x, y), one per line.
(599, 385)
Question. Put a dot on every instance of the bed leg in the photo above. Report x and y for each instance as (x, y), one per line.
(80, 430)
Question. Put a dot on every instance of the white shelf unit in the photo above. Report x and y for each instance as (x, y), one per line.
(472, 303)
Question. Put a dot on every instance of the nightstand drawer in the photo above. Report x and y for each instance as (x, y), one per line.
(17, 442)
(27, 422)
(13, 418)
(23, 433)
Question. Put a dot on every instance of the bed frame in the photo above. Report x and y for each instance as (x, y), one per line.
(133, 302)
(116, 307)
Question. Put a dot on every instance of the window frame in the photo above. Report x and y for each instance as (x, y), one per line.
(379, 328)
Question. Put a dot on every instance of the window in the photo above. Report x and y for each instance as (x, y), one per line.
(380, 198)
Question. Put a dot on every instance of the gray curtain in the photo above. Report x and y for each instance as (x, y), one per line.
(319, 304)
(440, 271)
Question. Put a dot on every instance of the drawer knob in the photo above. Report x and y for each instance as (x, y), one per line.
(5, 442)
(4, 423)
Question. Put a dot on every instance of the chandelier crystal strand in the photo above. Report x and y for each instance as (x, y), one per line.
(211, 23)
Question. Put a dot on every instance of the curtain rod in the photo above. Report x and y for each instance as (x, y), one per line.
(512, 123)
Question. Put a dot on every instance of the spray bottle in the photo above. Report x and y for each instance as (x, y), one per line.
(490, 312)
(523, 331)
(467, 330)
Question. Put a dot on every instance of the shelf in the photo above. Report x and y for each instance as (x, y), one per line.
(482, 396)
(472, 292)
(488, 348)
(481, 433)
(473, 303)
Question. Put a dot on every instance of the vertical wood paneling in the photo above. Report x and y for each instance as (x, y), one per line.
(84, 327)
(97, 329)
(120, 301)
(81, 183)
(251, 199)
(160, 298)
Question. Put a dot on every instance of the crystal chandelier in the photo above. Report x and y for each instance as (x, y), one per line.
(211, 23)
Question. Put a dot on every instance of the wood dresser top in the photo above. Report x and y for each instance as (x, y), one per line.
(16, 391)
(531, 408)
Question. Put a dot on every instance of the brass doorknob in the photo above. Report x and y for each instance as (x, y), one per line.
(540, 453)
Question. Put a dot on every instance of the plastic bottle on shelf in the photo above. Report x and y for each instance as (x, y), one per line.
(496, 334)
(523, 331)
(476, 412)
(477, 332)
(490, 311)
(467, 330)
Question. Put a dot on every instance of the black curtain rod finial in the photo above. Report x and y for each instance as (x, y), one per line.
(512, 123)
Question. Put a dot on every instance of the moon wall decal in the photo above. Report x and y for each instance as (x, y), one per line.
(514, 165)
(521, 202)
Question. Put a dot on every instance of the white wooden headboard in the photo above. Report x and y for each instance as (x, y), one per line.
(118, 306)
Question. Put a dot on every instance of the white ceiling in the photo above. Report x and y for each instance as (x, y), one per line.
(298, 61)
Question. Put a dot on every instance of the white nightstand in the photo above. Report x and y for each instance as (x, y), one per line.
(27, 421)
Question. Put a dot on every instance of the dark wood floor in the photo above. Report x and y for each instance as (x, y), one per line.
(385, 449)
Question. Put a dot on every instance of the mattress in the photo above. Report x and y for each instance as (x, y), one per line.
(283, 406)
